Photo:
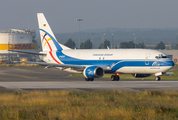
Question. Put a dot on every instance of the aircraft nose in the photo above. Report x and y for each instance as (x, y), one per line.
(169, 63)
(172, 64)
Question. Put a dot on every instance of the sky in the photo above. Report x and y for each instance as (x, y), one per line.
(96, 14)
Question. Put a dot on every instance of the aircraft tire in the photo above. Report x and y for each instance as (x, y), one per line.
(91, 79)
(112, 77)
(87, 79)
(157, 78)
(117, 78)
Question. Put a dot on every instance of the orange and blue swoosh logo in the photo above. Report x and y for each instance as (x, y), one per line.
(58, 47)
(47, 42)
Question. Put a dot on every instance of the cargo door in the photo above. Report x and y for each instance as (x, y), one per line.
(147, 58)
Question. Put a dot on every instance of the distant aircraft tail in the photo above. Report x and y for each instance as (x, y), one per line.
(48, 40)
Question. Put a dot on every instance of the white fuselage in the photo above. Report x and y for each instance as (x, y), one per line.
(141, 61)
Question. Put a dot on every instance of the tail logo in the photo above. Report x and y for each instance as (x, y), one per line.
(47, 37)
(47, 41)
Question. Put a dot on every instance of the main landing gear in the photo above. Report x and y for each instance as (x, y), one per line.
(115, 77)
(89, 79)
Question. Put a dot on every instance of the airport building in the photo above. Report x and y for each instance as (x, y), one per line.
(15, 39)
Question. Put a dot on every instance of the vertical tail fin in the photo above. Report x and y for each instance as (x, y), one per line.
(48, 40)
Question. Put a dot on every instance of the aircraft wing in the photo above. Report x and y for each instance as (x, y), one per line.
(105, 68)
(55, 65)
(34, 53)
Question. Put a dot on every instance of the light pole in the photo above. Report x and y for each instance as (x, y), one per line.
(176, 41)
(92, 38)
(113, 46)
(103, 39)
(139, 38)
(135, 39)
(72, 42)
(145, 44)
(79, 29)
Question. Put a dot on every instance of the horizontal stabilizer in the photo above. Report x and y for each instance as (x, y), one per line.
(34, 53)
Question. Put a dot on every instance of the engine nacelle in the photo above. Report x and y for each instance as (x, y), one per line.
(93, 72)
(141, 75)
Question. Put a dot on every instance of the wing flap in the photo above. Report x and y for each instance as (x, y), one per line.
(55, 65)
(105, 68)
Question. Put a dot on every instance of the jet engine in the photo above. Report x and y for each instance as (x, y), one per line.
(141, 75)
(93, 72)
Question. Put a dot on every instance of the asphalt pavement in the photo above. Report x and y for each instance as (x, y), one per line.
(38, 78)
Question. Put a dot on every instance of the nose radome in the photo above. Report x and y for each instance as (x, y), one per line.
(172, 64)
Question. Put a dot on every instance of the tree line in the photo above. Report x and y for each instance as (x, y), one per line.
(106, 44)
(87, 44)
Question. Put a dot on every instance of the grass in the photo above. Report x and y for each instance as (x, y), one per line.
(65, 105)
(129, 76)
(176, 65)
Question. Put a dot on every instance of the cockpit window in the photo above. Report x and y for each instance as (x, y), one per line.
(161, 56)
(164, 57)
(157, 57)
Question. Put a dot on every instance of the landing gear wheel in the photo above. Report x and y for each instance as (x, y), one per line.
(89, 79)
(112, 77)
(157, 78)
(86, 79)
(115, 78)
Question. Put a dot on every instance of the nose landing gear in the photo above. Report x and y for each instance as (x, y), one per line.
(115, 77)
(157, 78)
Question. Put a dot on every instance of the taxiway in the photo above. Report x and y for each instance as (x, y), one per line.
(38, 78)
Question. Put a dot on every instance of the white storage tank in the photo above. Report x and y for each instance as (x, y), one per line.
(16, 39)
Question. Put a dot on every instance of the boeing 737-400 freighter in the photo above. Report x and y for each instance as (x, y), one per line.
(94, 63)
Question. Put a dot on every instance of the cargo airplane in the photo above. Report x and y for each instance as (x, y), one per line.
(94, 63)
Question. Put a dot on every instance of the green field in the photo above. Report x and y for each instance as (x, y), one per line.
(99, 105)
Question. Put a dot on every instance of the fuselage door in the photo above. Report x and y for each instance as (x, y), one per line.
(147, 58)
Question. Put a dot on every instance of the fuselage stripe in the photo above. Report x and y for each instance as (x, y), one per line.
(50, 52)
(47, 43)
